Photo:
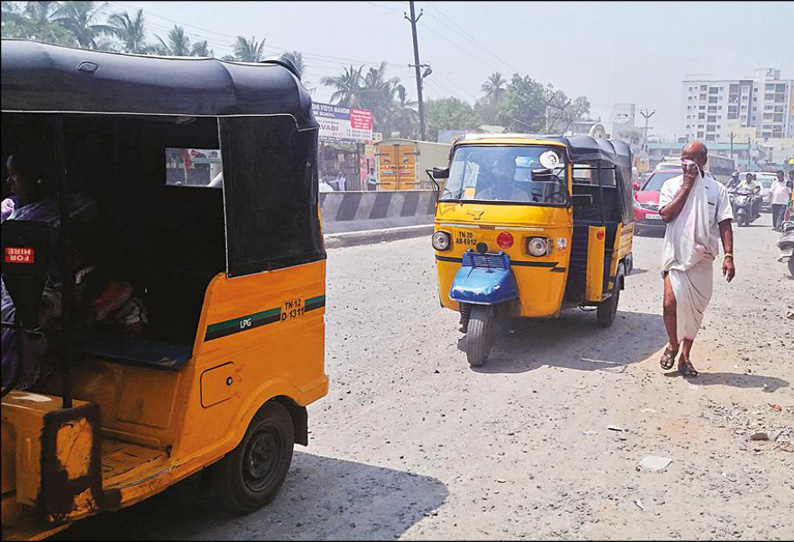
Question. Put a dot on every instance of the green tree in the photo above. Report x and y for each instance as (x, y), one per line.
(403, 116)
(178, 43)
(201, 48)
(494, 88)
(524, 105)
(296, 57)
(348, 86)
(449, 114)
(248, 50)
(35, 21)
(130, 31)
(80, 18)
(377, 94)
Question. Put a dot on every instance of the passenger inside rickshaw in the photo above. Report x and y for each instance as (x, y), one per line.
(153, 247)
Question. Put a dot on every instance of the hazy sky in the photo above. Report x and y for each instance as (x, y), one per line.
(610, 52)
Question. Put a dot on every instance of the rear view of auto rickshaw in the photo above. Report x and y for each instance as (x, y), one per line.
(529, 226)
(163, 280)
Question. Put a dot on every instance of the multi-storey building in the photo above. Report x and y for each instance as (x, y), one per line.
(713, 110)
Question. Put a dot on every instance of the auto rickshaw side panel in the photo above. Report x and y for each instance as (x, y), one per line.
(264, 335)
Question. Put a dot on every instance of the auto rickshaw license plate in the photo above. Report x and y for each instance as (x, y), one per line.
(294, 308)
(466, 238)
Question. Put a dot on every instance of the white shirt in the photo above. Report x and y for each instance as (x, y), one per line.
(718, 201)
(779, 193)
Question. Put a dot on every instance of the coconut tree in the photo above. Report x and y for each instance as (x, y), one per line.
(494, 87)
(201, 48)
(248, 50)
(377, 93)
(80, 18)
(130, 31)
(403, 115)
(178, 43)
(296, 57)
(35, 20)
(348, 86)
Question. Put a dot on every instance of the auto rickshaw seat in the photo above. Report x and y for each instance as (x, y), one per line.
(142, 352)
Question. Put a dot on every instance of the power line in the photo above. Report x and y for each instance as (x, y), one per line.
(307, 54)
(468, 36)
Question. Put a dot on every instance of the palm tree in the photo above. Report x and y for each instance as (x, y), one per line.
(130, 31)
(201, 48)
(36, 21)
(494, 87)
(296, 57)
(78, 18)
(248, 50)
(348, 86)
(377, 93)
(178, 43)
(403, 116)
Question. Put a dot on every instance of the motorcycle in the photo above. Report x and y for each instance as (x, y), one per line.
(786, 246)
(743, 204)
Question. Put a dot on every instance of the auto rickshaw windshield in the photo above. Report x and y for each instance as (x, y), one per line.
(533, 175)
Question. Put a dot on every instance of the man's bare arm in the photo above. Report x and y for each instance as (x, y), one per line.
(726, 233)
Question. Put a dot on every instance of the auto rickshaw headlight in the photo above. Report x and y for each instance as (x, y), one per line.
(441, 240)
(538, 246)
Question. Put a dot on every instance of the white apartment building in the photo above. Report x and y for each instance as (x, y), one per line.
(712, 110)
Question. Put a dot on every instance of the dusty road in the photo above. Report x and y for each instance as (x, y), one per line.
(412, 443)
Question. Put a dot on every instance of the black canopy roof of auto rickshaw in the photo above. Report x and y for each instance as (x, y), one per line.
(37, 77)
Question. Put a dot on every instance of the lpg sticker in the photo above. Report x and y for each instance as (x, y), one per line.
(549, 160)
(292, 309)
(562, 243)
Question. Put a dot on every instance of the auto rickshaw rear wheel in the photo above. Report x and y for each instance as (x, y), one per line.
(250, 476)
(609, 308)
(478, 335)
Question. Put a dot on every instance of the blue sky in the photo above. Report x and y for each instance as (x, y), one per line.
(610, 52)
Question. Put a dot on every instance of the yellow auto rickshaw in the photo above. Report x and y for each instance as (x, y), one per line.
(204, 177)
(530, 226)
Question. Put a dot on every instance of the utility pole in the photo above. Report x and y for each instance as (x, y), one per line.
(647, 116)
(413, 20)
(731, 136)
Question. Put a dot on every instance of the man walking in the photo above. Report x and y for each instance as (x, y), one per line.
(698, 213)
(779, 197)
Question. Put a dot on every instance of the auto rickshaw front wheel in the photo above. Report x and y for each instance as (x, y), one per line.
(250, 476)
(478, 335)
(609, 308)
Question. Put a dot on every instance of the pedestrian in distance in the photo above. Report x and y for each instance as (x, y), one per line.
(698, 214)
(779, 197)
(372, 180)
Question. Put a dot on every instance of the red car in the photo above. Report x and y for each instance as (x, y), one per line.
(646, 202)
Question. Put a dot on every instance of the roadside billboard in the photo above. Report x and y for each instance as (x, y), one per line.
(339, 122)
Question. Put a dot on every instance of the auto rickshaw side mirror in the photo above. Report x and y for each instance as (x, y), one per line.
(636, 186)
(441, 173)
(581, 200)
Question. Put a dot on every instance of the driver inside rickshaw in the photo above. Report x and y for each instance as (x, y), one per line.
(501, 184)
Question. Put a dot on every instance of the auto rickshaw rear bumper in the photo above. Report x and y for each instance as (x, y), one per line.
(51, 464)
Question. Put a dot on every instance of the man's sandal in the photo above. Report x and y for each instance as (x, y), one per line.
(668, 359)
(686, 368)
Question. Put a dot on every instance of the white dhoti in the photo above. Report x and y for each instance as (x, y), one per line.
(692, 289)
(688, 256)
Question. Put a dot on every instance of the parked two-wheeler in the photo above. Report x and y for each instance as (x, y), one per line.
(786, 246)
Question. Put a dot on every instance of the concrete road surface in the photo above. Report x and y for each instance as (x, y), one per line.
(411, 443)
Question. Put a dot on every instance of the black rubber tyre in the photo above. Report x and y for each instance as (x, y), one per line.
(250, 476)
(609, 308)
(791, 265)
(478, 336)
